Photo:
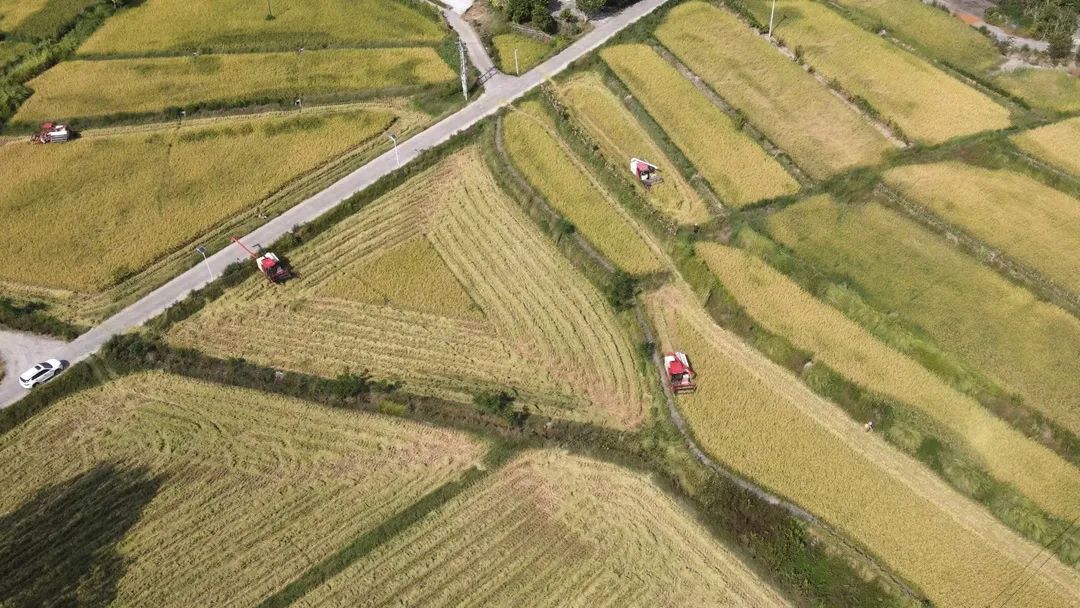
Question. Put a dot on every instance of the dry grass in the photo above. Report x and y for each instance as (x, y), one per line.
(409, 275)
(1010, 211)
(549, 166)
(552, 530)
(1026, 345)
(927, 104)
(1057, 144)
(785, 309)
(931, 31)
(546, 332)
(158, 26)
(621, 138)
(214, 492)
(530, 51)
(738, 169)
(80, 89)
(766, 424)
(821, 132)
(1053, 90)
(72, 224)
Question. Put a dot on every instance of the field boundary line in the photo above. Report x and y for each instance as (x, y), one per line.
(1027, 277)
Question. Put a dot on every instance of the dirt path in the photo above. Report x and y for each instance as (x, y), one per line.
(902, 468)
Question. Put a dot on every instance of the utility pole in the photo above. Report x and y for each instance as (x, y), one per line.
(464, 71)
(517, 67)
(772, 15)
(397, 159)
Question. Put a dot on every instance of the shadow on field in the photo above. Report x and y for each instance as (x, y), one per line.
(60, 547)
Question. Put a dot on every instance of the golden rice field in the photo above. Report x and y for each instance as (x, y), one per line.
(1057, 144)
(72, 224)
(549, 166)
(14, 12)
(173, 491)
(157, 26)
(800, 115)
(85, 89)
(530, 52)
(764, 423)
(552, 530)
(532, 323)
(784, 308)
(621, 137)
(10, 50)
(932, 31)
(1053, 90)
(1022, 217)
(740, 171)
(929, 105)
(1027, 346)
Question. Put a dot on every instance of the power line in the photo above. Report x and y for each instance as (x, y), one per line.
(1028, 564)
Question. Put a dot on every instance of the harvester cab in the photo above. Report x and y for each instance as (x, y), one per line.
(51, 133)
(647, 173)
(679, 372)
(269, 264)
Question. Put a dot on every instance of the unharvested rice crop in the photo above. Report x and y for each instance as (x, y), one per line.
(1010, 211)
(157, 26)
(46, 21)
(530, 52)
(545, 331)
(14, 12)
(740, 171)
(621, 138)
(10, 51)
(81, 89)
(1026, 345)
(779, 304)
(766, 424)
(927, 104)
(552, 530)
(800, 115)
(1053, 90)
(549, 166)
(71, 223)
(156, 490)
(931, 31)
(1057, 144)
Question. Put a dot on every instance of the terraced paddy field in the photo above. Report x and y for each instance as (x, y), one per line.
(510, 312)
(156, 490)
(621, 137)
(1022, 217)
(928, 105)
(549, 165)
(784, 308)
(14, 12)
(530, 52)
(1053, 90)
(738, 169)
(67, 210)
(179, 26)
(40, 20)
(552, 529)
(1025, 345)
(764, 423)
(799, 114)
(1057, 144)
(97, 89)
(931, 31)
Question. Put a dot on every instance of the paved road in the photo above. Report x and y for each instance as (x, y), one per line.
(500, 91)
(20, 351)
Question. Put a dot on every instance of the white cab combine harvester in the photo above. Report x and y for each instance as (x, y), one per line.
(647, 173)
(680, 373)
(51, 133)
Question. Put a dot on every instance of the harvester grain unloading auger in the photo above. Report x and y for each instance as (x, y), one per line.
(680, 373)
(269, 264)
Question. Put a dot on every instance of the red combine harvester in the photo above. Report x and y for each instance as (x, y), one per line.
(51, 133)
(647, 173)
(679, 372)
(268, 263)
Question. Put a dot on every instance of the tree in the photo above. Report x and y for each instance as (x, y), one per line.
(590, 7)
(1060, 45)
(500, 404)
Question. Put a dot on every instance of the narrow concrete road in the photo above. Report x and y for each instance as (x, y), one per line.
(499, 91)
(20, 351)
